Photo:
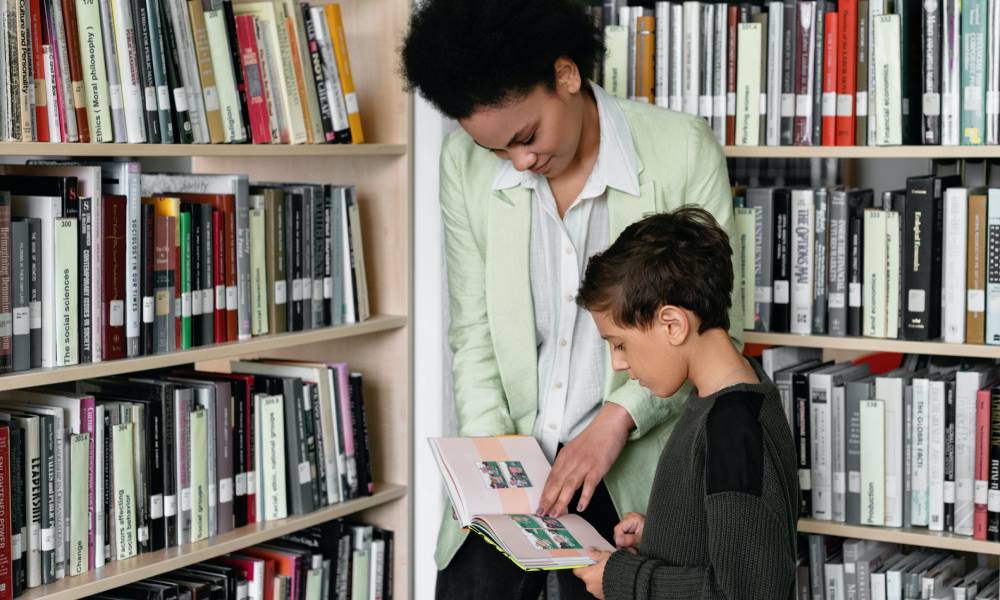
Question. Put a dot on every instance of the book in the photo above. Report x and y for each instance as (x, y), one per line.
(478, 472)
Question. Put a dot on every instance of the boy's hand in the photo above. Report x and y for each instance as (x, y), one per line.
(593, 576)
(585, 460)
(628, 532)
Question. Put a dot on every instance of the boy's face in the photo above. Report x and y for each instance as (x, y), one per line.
(539, 131)
(654, 357)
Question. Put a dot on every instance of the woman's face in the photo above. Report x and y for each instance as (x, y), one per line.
(539, 131)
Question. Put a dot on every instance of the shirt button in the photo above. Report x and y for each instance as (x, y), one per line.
(559, 385)
(562, 343)
(569, 250)
(552, 426)
(569, 297)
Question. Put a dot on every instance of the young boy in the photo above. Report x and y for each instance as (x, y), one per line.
(722, 512)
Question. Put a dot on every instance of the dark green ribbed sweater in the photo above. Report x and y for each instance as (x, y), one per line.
(721, 521)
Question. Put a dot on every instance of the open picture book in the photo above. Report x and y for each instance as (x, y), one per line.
(495, 484)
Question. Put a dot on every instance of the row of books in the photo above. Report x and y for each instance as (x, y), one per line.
(907, 447)
(105, 469)
(813, 72)
(102, 261)
(830, 568)
(919, 263)
(336, 561)
(176, 71)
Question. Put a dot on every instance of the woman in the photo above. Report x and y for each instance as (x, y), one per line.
(546, 170)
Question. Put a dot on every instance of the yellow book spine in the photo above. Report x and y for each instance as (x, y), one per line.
(336, 24)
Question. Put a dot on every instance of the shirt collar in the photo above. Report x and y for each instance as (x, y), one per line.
(617, 164)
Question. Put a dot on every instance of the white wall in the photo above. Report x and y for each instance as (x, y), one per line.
(433, 409)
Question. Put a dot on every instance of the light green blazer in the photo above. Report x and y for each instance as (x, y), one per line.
(492, 330)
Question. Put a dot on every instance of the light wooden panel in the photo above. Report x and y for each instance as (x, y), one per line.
(118, 573)
(917, 536)
(862, 344)
(241, 150)
(862, 151)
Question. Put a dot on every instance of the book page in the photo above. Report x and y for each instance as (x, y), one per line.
(539, 542)
(493, 475)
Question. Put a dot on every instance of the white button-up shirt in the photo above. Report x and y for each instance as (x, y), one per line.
(571, 353)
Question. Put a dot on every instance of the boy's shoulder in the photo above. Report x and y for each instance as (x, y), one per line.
(734, 442)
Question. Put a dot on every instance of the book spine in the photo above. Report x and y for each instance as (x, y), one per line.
(319, 78)
(36, 56)
(178, 96)
(821, 472)
(691, 55)
(203, 65)
(240, 466)
(894, 272)
(748, 90)
(789, 48)
(872, 463)
(818, 60)
(206, 275)
(180, 39)
(645, 46)
(993, 75)
(113, 220)
(862, 76)
(829, 96)
(258, 283)
(975, 303)
(6, 567)
(319, 258)
(199, 475)
(95, 82)
(930, 63)
(875, 273)
(35, 291)
(218, 257)
(803, 232)
(891, 391)
(993, 494)
(150, 11)
(59, 37)
(146, 262)
(805, 32)
(732, 26)
(954, 277)
(260, 128)
(85, 251)
(706, 61)
(876, 8)
(847, 18)
(951, 73)
(164, 283)
(821, 252)
(662, 62)
(26, 83)
(222, 66)
(982, 464)
(144, 63)
(66, 272)
(678, 45)
(919, 244)
(6, 315)
(773, 57)
(887, 92)
(950, 431)
(115, 97)
(19, 288)
(720, 73)
(966, 389)
(972, 117)
(919, 451)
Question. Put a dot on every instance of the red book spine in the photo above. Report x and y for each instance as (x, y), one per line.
(260, 123)
(232, 298)
(847, 57)
(982, 471)
(6, 568)
(733, 19)
(831, 48)
(76, 70)
(219, 275)
(113, 267)
(38, 67)
(251, 463)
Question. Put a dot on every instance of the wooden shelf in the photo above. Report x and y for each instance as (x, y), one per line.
(118, 573)
(213, 150)
(862, 151)
(863, 344)
(258, 345)
(917, 536)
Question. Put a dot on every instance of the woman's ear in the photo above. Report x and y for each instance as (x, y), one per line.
(567, 75)
(674, 323)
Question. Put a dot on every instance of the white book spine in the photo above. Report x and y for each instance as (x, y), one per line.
(748, 37)
(839, 463)
(935, 455)
(872, 462)
(893, 241)
(676, 75)
(820, 400)
(878, 586)
(720, 78)
(890, 391)
(992, 255)
(775, 32)
(273, 457)
(953, 282)
(55, 134)
(951, 75)
(707, 62)
(875, 273)
(662, 65)
(887, 99)
(67, 340)
(99, 477)
(128, 69)
(875, 10)
(834, 581)
(628, 23)
(803, 234)
(133, 249)
(615, 59)
(919, 451)
(691, 58)
(225, 81)
(967, 384)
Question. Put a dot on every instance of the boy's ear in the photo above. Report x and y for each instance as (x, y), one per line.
(675, 323)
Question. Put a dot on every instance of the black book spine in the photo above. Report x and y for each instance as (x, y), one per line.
(292, 391)
(819, 26)
(147, 334)
(35, 290)
(930, 67)
(239, 455)
(309, 438)
(6, 311)
(318, 77)
(788, 55)
(319, 258)
(910, 70)
(918, 248)
(949, 457)
(800, 408)
(178, 98)
(196, 246)
(290, 251)
(85, 252)
(144, 58)
(167, 454)
(327, 256)
(298, 273)
(234, 56)
(207, 276)
(19, 295)
(857, 202)
(993, 517)
(17, 523)
(362, 453)
(155, 450)
(109, 486)
(48, 455)
(319, 454)
(781, 309)
(388, 579)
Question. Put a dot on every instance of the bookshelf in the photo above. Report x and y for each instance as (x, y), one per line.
(380, 348)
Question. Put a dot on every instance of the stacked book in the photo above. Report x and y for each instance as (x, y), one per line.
(918, 263)
(910, 446)
(106, 469)
(176, 72)
(813, 72)
(335, 560)
(101, 262)
(836, 569)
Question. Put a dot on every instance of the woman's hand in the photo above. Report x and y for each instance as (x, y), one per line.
(585, 460)
(593, 576)
(628, 532)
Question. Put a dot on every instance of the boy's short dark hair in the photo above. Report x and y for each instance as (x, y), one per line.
(681, 258)
(463, 55)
